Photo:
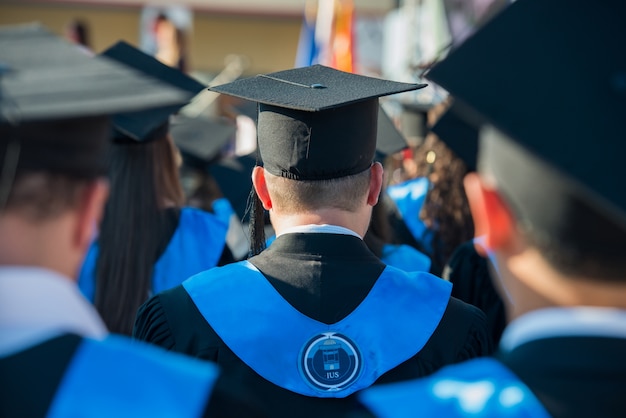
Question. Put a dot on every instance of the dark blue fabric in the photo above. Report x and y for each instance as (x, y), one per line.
(477, 388)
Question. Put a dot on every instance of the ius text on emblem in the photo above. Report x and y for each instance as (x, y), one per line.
(330, 362)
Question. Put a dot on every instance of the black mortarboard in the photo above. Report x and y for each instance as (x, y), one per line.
(460, 136)
(149, 124)
(414, 121)
(234, 176)
(529, 73)
(55, 101)
(45, 77)
(201, 140)
(315, 122)
(389, 140)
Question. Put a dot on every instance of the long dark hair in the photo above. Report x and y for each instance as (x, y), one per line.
(144, 179)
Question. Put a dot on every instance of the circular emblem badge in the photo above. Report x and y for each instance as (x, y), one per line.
(330, 362)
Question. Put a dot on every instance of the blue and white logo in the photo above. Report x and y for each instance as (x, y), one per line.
(330, 362)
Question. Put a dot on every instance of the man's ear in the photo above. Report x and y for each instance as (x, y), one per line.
(494, 222)
(91, 209)
(376, 183)
(260, 186)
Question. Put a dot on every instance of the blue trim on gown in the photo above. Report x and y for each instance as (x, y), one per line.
(409, 197)
(480, 388)
(118, 377)
(196, 245)
(391, 325)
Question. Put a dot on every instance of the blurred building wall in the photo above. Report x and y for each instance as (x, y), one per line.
(268, 40)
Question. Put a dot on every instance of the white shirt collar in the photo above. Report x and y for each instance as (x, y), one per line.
(36, 304)
(324, 229)
(560, 322)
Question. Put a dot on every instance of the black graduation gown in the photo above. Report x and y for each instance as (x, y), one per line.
(324, 276)
(469, 273)
(574, 376)
(29, 380)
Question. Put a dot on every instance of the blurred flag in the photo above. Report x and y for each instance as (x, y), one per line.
(327, 35)
(307, 53)
(343, 37)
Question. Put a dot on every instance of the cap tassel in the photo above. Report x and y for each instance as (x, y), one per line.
(9, 169)
(257, 224)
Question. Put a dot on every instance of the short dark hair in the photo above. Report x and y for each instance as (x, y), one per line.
(46, 163)
(40, 196)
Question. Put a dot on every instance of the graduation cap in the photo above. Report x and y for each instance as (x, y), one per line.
(44, 77)
(529, 73)
(459, 135)
(55, 101)
(414, 121)
(234, 176)
(201, 140)
(149, 124)
(389, 139)
(315, 123)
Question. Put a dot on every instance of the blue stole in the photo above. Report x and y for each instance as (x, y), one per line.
(405, 258)
(409, 198)
(118, 377)
(196, 245)
(311, 358)
(481, 387)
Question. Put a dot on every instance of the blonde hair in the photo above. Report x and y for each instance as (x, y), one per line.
(296, 196)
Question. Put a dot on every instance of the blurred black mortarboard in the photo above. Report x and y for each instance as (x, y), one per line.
(531, 73)
(201, 140)
(149, 124)
(389, 140)
(45, 77)
(315, 122)
(414, 122)
(234, 176)
(55, 101)
(460, 136)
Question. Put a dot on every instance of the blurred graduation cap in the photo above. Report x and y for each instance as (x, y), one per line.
(201, 140)
(55, 101)
(234, 176)
(459, 135)
(389, 139)
(315, 122)
(528, 72)
(44, 77)
(149, 124)
(414, 121)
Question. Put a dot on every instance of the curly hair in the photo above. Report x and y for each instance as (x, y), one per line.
(446, 210)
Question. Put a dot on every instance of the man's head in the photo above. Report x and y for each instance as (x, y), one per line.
(549, 200)
(54, 132)
(316, 126)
